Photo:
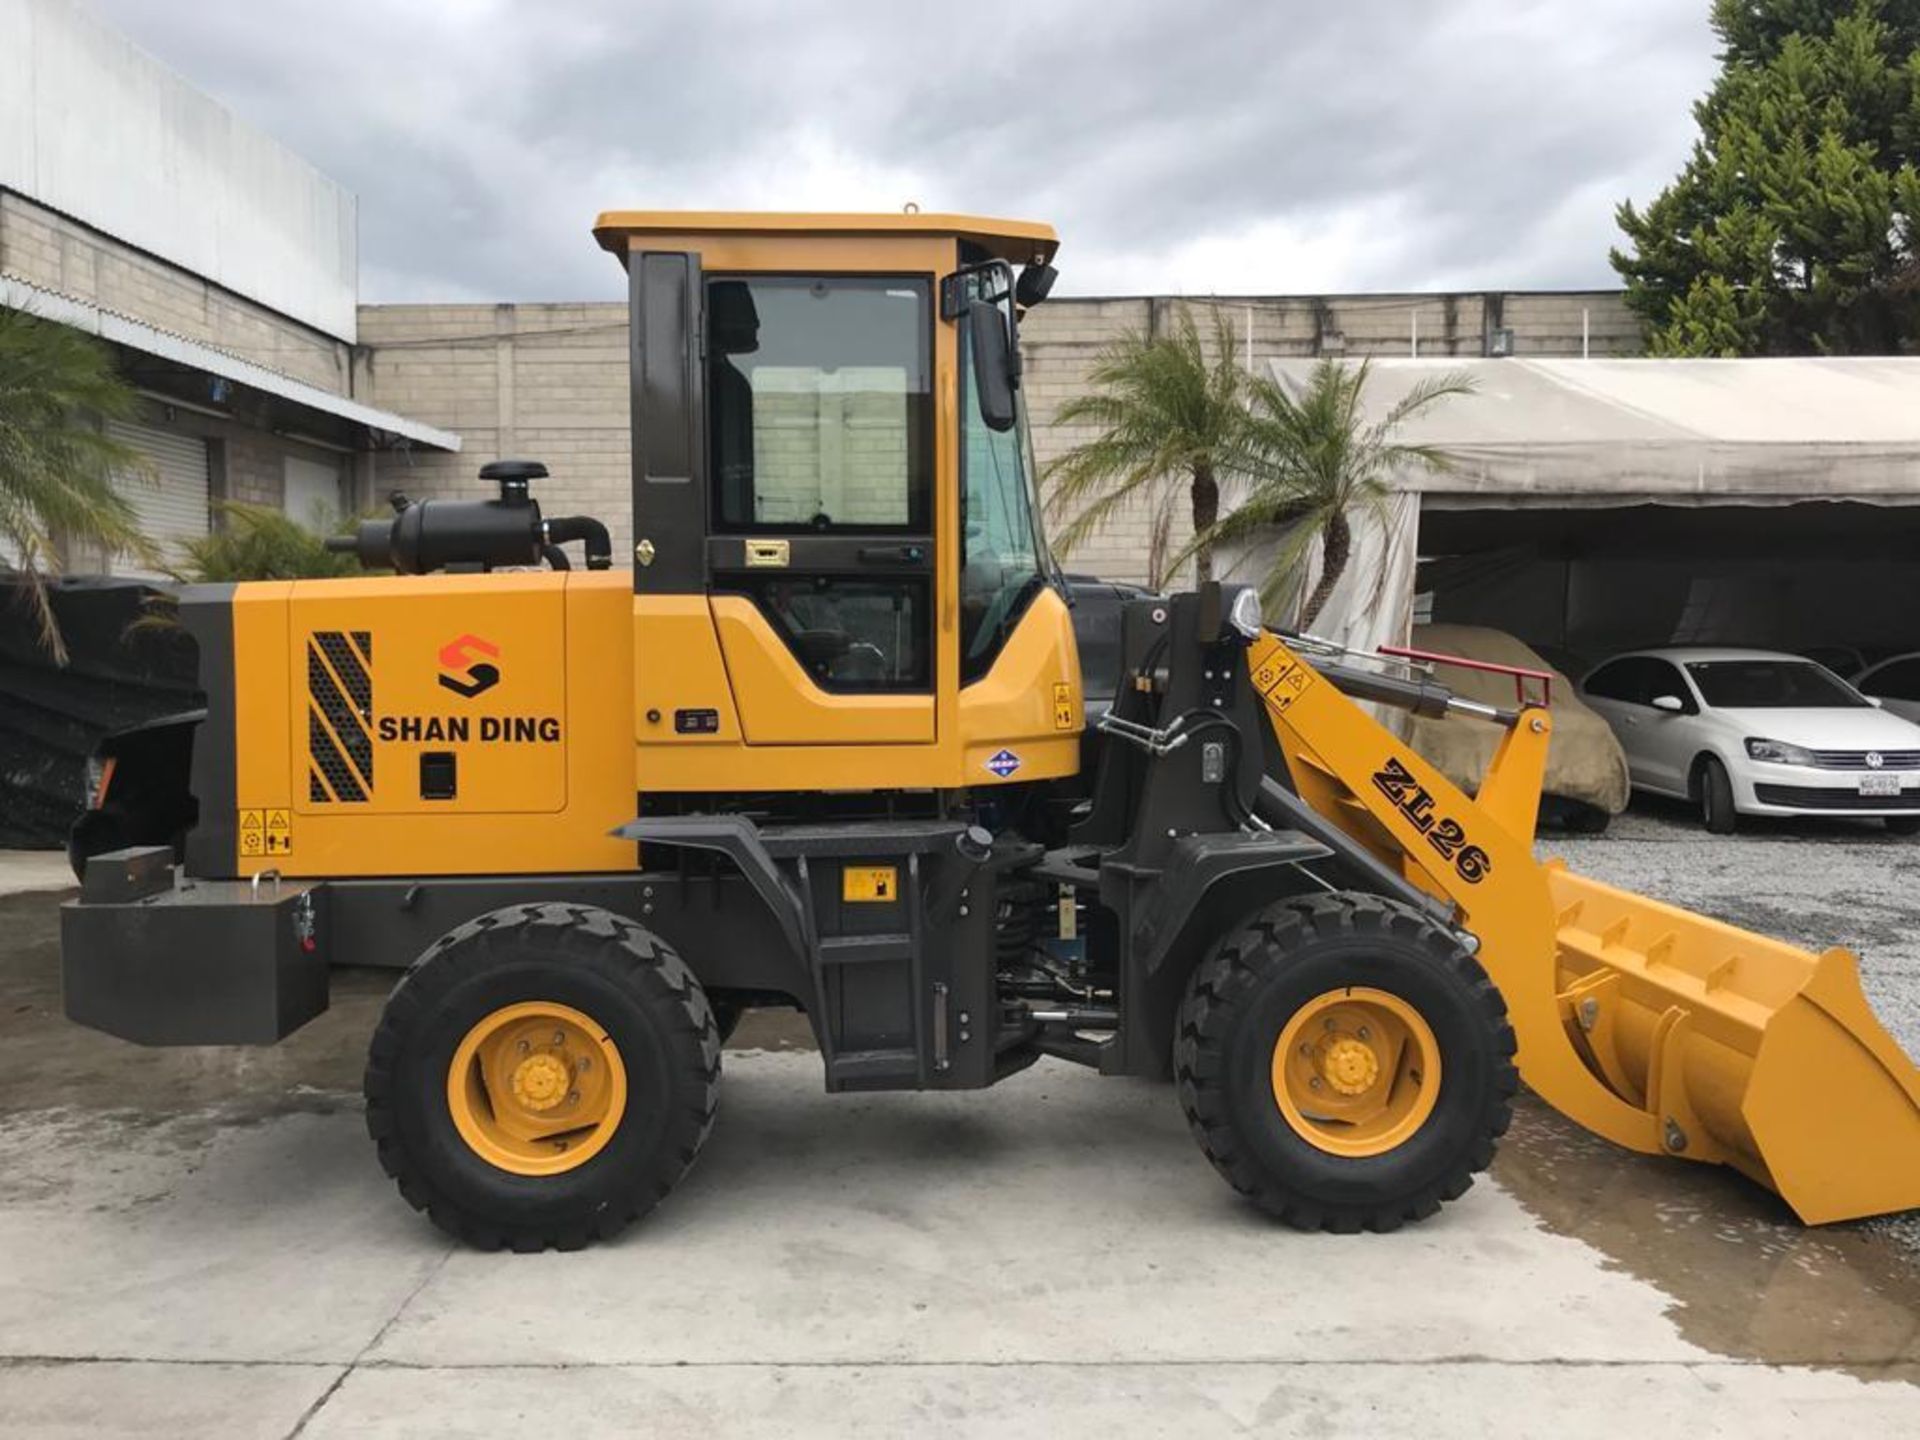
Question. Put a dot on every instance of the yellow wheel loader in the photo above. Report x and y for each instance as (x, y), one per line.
(824, 745)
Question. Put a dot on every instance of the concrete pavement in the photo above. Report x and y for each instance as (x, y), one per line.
(200, 1242)
(1045, 1259)
(24, 871)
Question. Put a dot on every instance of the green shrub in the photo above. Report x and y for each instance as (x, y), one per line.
(258, 542)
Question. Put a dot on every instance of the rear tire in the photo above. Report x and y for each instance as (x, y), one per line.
(617, 994)
(1239, 1028)
(1716, 799)
(1904, 824)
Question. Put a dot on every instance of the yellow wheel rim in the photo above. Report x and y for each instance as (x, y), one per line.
(1356, 1072)
(536, 1088)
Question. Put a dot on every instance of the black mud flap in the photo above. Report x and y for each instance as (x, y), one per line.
(153, 957)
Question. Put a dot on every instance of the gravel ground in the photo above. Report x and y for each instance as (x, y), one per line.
(1816, 883)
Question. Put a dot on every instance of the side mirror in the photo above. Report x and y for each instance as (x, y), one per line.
(992, 364)
(1034, 285)
(1671, 704)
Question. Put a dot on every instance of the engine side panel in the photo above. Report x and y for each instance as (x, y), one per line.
(425, 725)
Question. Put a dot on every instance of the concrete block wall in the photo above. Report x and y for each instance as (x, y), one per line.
(49, 250)
(542, 382)
(550, 382)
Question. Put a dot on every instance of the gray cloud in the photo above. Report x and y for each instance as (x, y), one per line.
(1222, 145)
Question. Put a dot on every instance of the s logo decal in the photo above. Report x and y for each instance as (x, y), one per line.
(465, 674)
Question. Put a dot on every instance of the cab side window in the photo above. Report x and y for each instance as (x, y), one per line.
(819, 404)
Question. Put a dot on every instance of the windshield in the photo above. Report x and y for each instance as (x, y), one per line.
(1771, 685)
(1000, 564)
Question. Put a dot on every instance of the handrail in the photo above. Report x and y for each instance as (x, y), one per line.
(1520, 673)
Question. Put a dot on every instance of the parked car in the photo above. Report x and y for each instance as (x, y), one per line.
(1895, 683)
(1753, 732)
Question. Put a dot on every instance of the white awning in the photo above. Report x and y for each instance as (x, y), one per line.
(108, 325)
(1676, 432)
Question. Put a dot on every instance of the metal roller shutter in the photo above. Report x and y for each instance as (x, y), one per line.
(174, 505)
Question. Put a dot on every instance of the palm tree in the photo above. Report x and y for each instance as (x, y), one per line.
(56, 465)
(1167, 416)
(1315, 462)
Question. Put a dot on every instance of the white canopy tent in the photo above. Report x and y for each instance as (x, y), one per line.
(1569, 434)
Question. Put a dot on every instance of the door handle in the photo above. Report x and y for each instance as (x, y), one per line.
(892, 554)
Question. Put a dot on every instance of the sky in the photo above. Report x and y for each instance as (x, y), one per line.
(1187, 146)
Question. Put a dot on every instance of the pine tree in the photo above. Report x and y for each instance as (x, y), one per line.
(1795, 227)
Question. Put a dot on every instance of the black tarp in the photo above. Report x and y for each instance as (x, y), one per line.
(120, 672)
(1581, 584)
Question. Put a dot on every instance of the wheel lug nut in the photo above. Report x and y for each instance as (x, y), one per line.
(586, 1063)
(1314, 1083)
(559, 1037)
(524, 1047)
(573, 1097)
(1364, 1035)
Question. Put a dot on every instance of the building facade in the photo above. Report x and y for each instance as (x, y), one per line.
(220, 266)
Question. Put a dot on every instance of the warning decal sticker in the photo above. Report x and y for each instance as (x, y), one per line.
(266, 832)
(1062, 705)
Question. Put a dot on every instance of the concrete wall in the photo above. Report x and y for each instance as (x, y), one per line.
(60, 254)
(96, 129)
(546, 382)
(550, 381)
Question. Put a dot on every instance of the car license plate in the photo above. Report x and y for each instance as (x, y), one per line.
(1879, 784)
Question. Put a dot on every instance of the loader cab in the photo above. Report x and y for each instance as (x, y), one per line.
(837, 556)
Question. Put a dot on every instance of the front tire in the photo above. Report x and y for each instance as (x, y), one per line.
(1716, 798)
(1345, 1063)
(1903, 824)
(542, 1077)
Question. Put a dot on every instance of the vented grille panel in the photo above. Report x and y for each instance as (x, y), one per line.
(339, 714)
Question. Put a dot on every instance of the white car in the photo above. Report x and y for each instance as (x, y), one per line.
(1895, 683)
(1752, 732)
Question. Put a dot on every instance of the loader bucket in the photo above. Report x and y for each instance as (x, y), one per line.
(1748, 1051)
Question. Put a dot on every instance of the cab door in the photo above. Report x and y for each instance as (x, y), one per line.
(821, 463)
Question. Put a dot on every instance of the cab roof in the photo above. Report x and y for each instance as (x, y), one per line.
(1016, 241)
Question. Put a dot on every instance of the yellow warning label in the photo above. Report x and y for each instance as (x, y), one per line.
(867, 884)
(1268, 675)
(266, 832)
(1282, 683)
(1063, 717)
